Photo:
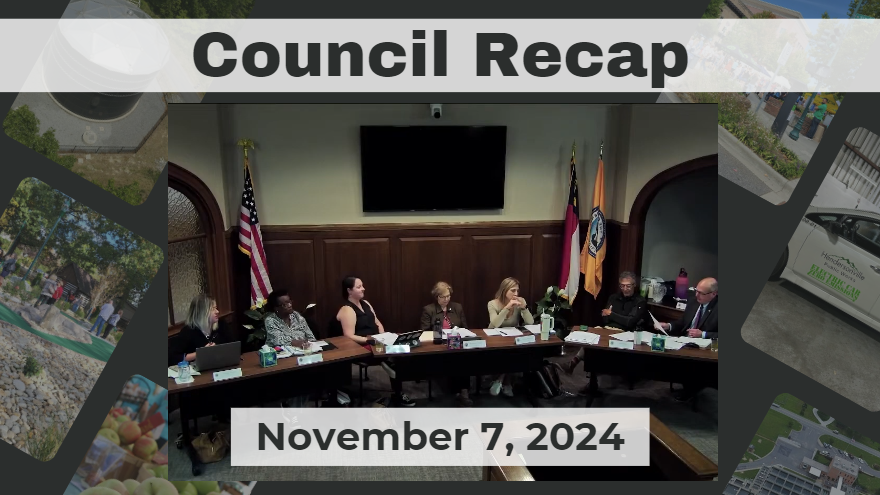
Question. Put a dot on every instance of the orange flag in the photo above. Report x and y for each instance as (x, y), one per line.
(593, 253)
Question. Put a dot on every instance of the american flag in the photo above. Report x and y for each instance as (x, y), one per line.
(250, 240)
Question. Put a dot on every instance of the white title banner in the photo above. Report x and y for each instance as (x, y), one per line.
(438, 55)
(440, 437)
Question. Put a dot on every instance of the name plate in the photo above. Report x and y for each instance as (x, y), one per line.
(474, 344)
(681, 305)
(312, 359)
(619, 344)
(525, 339)
(396, 349)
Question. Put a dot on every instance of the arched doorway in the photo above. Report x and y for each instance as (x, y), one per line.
(632, 258)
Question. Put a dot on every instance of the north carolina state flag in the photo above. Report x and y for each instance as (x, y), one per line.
(571, 245)
(593, 253)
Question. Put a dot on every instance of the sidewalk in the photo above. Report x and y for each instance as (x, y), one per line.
(803, 147)
(780, 188)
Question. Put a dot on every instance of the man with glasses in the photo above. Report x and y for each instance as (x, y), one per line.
(700, 318)
(625, 310)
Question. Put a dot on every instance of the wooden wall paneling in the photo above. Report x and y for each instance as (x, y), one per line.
(547, 249)
(424, 261)
(292, 267)
(366, 258)
(496, 257)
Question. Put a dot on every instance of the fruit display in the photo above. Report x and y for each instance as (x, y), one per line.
(154, 486)
(131, 435)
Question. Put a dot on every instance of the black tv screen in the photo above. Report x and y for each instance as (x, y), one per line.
(432, 168)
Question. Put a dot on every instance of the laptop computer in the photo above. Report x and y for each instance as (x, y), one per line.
(218, 356)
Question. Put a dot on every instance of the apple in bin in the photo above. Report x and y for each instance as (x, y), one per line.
(206, 487)
(129, 432)
(116, 412)
(99, 490)
(109, 435)
(122, 419)
(155, 486)
(110, 423)
(184, 487)
(145, 448)
(131, 485)
(116, 486)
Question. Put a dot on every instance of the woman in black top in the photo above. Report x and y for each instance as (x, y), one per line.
(202, 328)
(359, 322)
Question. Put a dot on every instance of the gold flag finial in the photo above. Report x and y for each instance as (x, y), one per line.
(601, 148)
(573, 148)
(245, 143)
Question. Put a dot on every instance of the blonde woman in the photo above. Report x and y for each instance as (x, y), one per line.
(202, 328)
(506, 310)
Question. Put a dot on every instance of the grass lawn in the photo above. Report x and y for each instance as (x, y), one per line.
(872, 460)
(868, 483)
(793, 404)
(747, 475)
(762, 445)
(776, 424)
(823, 416)
(821, 458)
(749, 457)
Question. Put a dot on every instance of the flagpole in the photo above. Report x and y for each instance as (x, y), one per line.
(601, 148)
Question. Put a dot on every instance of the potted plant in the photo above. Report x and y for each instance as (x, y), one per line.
(257, 313)
(556, 306)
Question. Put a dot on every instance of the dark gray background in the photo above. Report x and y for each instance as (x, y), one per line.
(753, 236)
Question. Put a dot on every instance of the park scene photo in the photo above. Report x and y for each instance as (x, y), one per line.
(70, 283)
(800, 446)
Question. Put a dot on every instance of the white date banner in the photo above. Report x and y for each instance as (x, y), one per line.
(440, 437)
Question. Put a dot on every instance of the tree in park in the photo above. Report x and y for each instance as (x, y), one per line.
(713, 11)
(23, 126)
(803, 408)
(825, 15)
(766, 14)
(870, 8)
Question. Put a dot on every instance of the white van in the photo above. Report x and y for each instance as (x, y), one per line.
(835, 255)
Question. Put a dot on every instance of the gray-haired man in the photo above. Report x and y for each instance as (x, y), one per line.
(625, 310)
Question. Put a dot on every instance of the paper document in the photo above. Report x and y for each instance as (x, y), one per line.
(583, 338)
(386, 338)
(464, 332)
(174, 371)
(319, 343)
(657, 324)
(536, 329)
(703, 343)
(625, 336)
(493, 332)
(510, 332)
(673, 345)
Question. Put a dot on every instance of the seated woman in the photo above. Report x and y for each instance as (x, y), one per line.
(505, 311)
(284, 326)
(202, 328)
(450, 314)
(359, 322)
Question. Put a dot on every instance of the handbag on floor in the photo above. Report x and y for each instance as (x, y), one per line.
(212, 446)
(545, 382)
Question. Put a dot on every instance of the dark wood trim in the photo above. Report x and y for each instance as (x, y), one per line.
(639, 211)
(216, 255)
(860, 155)
(187, 238)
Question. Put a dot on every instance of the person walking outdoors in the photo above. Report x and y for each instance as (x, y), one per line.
(818, 115)
(59, 291)
(49, 286)
(111, 324)
(8, 267)
(103, 316)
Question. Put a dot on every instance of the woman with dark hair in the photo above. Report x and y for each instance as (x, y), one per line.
(359, 322)
(284, 326)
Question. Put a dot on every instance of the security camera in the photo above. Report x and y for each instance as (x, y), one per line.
(436, 110)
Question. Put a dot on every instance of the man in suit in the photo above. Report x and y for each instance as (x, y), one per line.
(700, 318)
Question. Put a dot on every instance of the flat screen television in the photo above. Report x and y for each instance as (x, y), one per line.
(432, 168)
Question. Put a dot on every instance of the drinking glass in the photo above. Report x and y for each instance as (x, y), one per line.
(715, 344)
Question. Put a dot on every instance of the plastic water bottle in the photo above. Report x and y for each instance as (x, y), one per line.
(183, 373)
(681, 285)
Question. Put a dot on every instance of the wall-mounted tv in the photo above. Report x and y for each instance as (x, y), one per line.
(433, 168)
